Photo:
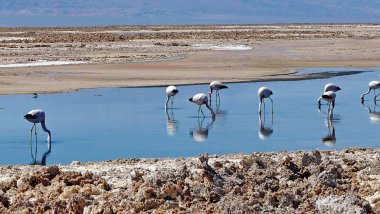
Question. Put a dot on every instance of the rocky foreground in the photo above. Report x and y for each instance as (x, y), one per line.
(345, 181)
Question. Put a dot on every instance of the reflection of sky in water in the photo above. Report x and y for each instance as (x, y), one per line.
(131, 122)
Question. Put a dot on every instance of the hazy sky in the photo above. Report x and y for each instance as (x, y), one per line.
(157, 12)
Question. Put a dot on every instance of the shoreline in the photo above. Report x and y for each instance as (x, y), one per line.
(343, 181)
(199, 68)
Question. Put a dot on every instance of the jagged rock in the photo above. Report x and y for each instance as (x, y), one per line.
(349, 204)
(308, 182)
(313, 157)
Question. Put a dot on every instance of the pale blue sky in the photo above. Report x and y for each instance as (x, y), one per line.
(158, 12)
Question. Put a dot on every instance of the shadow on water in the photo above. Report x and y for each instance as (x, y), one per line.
(374, 115)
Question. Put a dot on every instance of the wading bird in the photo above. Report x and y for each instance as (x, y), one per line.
(37, 116)
(216, 86)
(171, 91)
(329, 97)
(201, 99)
(264, 92)
(373, 85)
(329, 87)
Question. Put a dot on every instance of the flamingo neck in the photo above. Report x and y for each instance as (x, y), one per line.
(319, 100)
(46, 130)
(369, 90)
(208, 106)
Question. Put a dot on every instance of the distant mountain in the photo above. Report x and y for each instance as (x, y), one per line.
(101, 12)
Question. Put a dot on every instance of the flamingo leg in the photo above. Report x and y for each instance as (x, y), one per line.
(376, 95)
(199, 109)
(172, 99)
(330, 113)
(260, 104)
(203, 113)
(167, 101)
(35, 150)
(35, 133)
(31, 139)
(272, 104)
(260, 107)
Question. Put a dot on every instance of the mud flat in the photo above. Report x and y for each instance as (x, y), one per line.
(344, 181)
(137, 56)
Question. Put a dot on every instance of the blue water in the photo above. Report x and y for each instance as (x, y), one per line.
(103, 124)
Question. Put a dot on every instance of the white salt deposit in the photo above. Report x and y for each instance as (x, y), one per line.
(41, 63)
(15, 38)
(223, 47)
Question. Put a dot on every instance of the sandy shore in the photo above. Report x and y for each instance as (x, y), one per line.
(159, 56)
(281, 182)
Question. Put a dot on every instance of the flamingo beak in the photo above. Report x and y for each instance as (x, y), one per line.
(191, 100)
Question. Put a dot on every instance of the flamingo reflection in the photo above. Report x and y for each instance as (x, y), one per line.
(329, 139)
(330, 120)
(219, 113)
(374, 115)
(265, 129)
(44, 155)
(171, 123)
(200, 134)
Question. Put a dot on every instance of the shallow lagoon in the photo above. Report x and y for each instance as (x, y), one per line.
(103, 124)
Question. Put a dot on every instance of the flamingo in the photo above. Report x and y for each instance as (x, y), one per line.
(329, 87)
(37, 116)
(171, 91)
(216, 85)
(264, 92)
(201, 99)
(373, 85)
(329, 96)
